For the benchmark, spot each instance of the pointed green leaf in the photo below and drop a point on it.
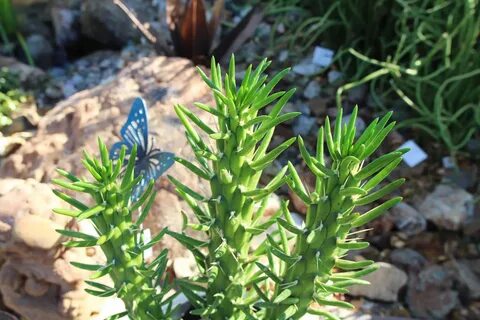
(269, 273)
(261, 163)
(352, 245)
(84, 266)
(290, 227)
(334, 303)
(325, 314)
(352, 191)
(67, 212)
(260, 133)
(185, 189)
(375, 212)
(143, 215)
(75, 203)
(379, 193)
(67, 175)
(90, 212)
(352, 265)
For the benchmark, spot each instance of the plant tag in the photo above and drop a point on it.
(448, 163)
(416, 154)
(322, 56)
(147, 237)
(334, 76)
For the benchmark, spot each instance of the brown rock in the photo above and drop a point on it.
(448, 207)
(28, 75)
(385, 283)
(430, 293)
(467, 273)
(22, 208)
(36, 232)
(8, 184)
(407, 219)
(75, 124)
(36, 288)
(105, 22)
(7, 316)
(185, 267)
(37, 279)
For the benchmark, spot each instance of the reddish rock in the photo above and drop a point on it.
(430, 294)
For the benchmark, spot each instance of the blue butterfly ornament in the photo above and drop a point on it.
(150, 162)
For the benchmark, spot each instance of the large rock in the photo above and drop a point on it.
(65, 21)
(36, 279)
(106, 23)
(385, 283)
(407, 219)
(408, 259)
(467, 273)
(41, 50)
(448, 207)
(74, 125)
(29, 76)
(430, 294)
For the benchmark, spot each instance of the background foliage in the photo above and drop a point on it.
(422, 56)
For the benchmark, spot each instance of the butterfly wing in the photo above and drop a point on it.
(115, 150)
(152, 167)
(134, 131)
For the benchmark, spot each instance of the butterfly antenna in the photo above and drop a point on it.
(152, 143)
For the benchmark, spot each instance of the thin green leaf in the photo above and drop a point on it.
(375, 212)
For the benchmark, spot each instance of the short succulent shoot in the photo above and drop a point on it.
(141, 286)
(321, 245)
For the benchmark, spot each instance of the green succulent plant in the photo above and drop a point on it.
(275, 281)
(296, 266)
(323, 242)
(142, 286)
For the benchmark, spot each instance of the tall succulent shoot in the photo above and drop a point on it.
(275, 281)
(232, 164)
(141, 286)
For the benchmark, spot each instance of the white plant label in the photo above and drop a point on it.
(322, 56)
(448, 163)
(416, 154)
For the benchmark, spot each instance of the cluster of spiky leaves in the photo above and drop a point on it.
(141, 286)
(274, 281)
(326, 237)
(232, 215)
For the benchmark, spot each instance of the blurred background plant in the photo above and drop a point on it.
(9, 29)
(11, 96)
(403, 50)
